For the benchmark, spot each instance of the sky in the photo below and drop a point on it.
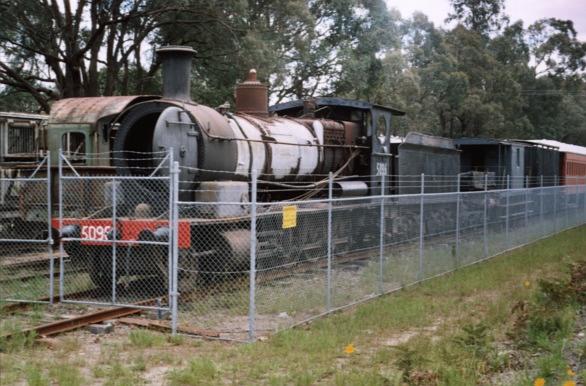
(526, 10)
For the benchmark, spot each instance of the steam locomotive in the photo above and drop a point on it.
(292, 148)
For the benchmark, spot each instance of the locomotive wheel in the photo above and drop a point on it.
(342, 237)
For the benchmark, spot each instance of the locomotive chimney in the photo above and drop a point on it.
(176, 71)
(252, 96)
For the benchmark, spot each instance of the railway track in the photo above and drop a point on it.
(54, 328)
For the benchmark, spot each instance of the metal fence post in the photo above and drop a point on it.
(507, 209)
(329, 268)
(114, 234)
(421, 226)
(252, 299)
(541, 193)
(50, 231)
(555, 204)
(172, 230)
(566, 203)
(60, 209)
(174, 181)
(527, 207)
(458, 196)
(584, 199)
(381, 234)
(485, 224)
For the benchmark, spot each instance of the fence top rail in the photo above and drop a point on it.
(24, 179)
(110, 178)
(378, 196)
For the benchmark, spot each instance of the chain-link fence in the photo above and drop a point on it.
(27, 262)
(225, 258)
(256, 267)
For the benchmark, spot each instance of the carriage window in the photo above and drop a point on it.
(73, 145)
(381, 127)
(21, 138)
(518, 157)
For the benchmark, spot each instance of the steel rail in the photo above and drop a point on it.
(60, 326)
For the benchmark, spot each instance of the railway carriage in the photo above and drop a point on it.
(21, 136)
(572, 163)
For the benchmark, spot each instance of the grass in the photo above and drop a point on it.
(144, 339)
(452, 330)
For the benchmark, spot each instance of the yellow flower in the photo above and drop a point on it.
(349, 349)
(539, 382)
(569, 383)
(570, 372)
(527, 284)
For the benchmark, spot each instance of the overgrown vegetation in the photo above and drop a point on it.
(509, 321)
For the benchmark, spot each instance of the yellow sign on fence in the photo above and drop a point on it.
(289, 216)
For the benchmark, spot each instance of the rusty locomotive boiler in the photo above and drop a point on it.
(215, 147)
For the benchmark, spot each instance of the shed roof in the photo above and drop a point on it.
(15, 115)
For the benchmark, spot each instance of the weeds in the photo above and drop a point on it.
(408, 361)
(543, 324)
(475, 339)
(14, 339)
(144, 339)
(66, 375)
(199, 371)
(35, 377)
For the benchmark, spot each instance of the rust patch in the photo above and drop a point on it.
(90, 110)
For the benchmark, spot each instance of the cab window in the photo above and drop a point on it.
(73, 145)
(381, 127)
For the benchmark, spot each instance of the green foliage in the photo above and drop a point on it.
(474, 338)
(145, 339)
(199, 371)
(408, 360)
(66, 375)
(544, 322)
(481, 16)
(13, 339)
(34, 376)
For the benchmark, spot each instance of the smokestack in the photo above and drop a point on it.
(176, 71)
(252, 96)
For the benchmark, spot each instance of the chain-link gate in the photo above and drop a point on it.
(27, 261)
(116, 234)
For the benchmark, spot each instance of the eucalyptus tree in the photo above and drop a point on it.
(55, 49)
